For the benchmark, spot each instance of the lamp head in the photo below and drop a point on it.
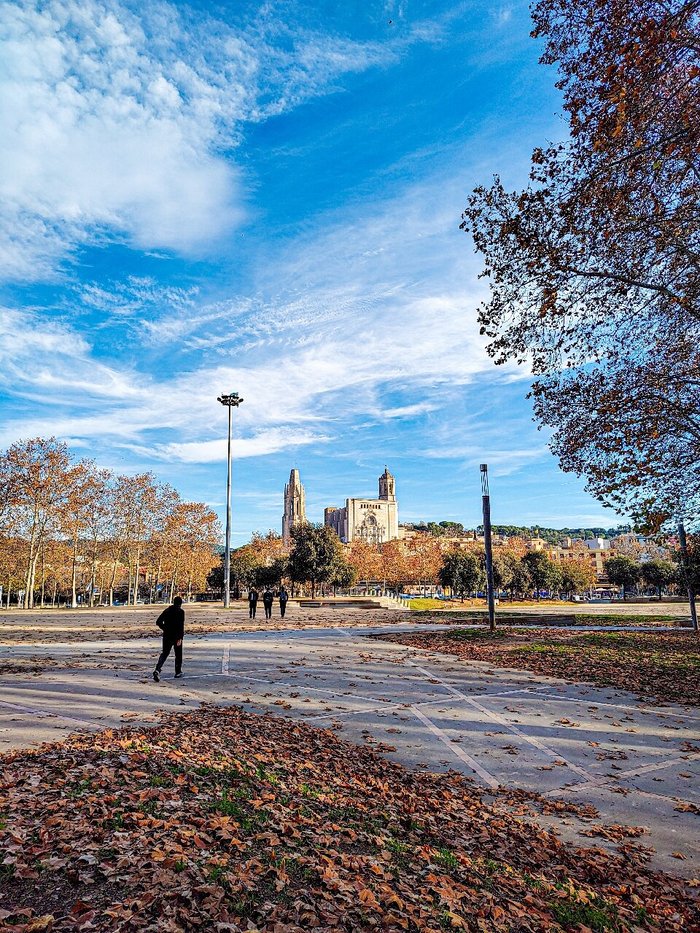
(232, 399)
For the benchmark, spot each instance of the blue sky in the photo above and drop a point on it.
(266, 197)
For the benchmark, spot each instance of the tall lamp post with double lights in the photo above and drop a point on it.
(232, 400)
(486, 507)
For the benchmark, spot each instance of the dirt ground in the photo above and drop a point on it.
(75, 625)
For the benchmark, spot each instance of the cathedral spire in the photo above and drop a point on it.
(294, 506)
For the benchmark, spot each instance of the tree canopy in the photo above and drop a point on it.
(622, 571)
(463, 572)
(594, 266)
(316, 553)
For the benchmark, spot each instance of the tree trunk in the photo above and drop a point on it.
(33, 580)
(157, 580)
(30, 557)
(136, 575)
(93, 572)
(74, 574)
(111, 582)
(43, 576)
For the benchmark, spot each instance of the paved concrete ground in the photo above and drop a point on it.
(577, 743)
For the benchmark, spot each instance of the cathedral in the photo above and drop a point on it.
(372, 520)
(294, 506)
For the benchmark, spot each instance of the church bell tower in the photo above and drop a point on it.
(294, 506)
(387, 487)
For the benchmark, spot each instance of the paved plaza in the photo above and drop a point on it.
(634, 762)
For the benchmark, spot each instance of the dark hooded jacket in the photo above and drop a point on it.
(171, 622)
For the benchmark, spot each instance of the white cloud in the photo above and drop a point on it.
(215, 451)
(383, 328)
(115, 125)
(48, 361)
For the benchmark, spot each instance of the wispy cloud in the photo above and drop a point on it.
(386, 311)
(256, 445)
(133, 119)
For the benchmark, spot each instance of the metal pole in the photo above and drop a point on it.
(486, 509)
(685, 562)
(227, 558)
(232, 400)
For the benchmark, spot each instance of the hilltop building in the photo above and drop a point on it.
(294, 506)
(372, 520)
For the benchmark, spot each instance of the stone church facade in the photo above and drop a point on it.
(294, 506)
(372, 520)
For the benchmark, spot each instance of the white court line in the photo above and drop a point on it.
(385, 704)
(659, 766)
(225, 658)
(408, 707)
(632, 773)
(643, 711)
(501, 720)
(455, 749)
(337, 715)
(50, 714)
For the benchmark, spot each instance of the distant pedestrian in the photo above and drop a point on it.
(171, 622)
(252, 602)
(283, 601)
(268, 596)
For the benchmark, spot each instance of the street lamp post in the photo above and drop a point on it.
(486, 507)
(232, 400)
(685, 564)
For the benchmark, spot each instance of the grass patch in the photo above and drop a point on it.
(599, 917)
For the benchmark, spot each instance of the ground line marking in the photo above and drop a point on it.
(501, 720)
(385, 704)
(51, 715)
(659, 766)
(643, 711)
(455, 749)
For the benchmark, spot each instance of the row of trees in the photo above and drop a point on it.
(71, 530)
(464, 573)
(317, 558)
(658, 575)
(516, 574)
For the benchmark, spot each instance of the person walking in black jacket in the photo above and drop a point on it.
(171, 622)
(252, 602)
(267, 602)
(283, 601)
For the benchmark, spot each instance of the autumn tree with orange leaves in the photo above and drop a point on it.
(70, 530)
(594, 268)
(366, 561)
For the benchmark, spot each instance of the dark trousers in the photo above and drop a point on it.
(283, 607)
(168, 644)
(268, 610)
(251, 610)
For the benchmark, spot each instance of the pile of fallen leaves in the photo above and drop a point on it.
(222, 820)
(661, 666)
(552, 615)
